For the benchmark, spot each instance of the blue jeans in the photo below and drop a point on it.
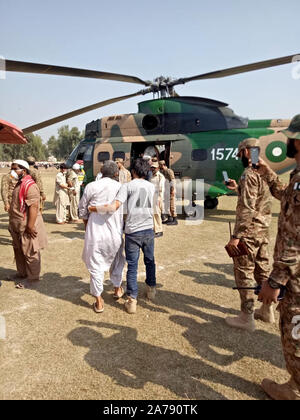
(133, 244)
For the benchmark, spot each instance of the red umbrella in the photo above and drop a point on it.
(10, 134)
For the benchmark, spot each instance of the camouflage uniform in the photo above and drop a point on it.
(170, 191)
(254, 214)
(124, 176)
(286, 269)
(8, 184)
(36, 176)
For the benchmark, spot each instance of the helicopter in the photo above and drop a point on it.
(197, 137)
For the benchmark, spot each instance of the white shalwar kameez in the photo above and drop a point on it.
(103, 245)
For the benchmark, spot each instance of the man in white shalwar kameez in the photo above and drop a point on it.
(103, 245)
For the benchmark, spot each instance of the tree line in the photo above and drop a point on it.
(60, 146)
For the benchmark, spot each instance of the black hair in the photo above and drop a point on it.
(141, 167)
(63, 166)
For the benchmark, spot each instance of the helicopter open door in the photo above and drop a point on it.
(159, 150)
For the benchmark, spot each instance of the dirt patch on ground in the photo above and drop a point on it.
(179, 347)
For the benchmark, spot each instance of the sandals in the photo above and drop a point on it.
(120, 294)
(98, 311)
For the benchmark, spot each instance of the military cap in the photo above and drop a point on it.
(247, 144)
(119, 160)
(293, 131)
(30, 160)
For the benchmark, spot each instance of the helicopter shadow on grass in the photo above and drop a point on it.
(132, 363)
(166, 300)
(211, 279)
(231, 345)
(5, 272)
(69, 288)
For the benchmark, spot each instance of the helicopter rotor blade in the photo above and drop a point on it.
(80, 111)
(237, 70)
(24, 67)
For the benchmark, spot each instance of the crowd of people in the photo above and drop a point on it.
(124, 212)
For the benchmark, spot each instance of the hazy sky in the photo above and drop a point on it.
(147, 38)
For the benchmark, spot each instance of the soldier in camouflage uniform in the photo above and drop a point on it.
(124, 174)
(286, 269)
(170, 194)
(36, 176)
(8, 183)
(254, 214)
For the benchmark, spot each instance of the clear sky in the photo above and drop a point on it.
(147, 38)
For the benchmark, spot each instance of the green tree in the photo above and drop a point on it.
(67, 141)
(52, 146)
(35, 147)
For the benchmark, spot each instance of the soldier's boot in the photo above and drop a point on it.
(286, 392)
(265, 313)
(172, 221)
(243, 321)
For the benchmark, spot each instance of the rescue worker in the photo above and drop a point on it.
(286, 268)
(61, 197)
(26, 225)
(170, 194)
(36, 176)
(81, 174)
(74, 192)
(124, 174)
(254, 214)
(158, 180)
(8, 183)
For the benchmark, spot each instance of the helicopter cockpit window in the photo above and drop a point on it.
(199, 155)
(88, 154)
(233, 120)
(118, 155)
(103, 156)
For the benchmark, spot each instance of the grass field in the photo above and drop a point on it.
(177, 347)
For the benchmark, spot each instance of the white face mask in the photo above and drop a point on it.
(14, 174)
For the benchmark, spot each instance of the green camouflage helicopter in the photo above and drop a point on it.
(197, 137)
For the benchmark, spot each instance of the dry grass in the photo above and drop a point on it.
(176, 348)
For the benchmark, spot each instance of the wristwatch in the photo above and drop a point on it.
(273, 284)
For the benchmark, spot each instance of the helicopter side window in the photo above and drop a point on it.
(199, 155)
(119, 155)
(103, 156)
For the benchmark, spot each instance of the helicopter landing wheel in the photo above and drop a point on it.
(211, 203)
